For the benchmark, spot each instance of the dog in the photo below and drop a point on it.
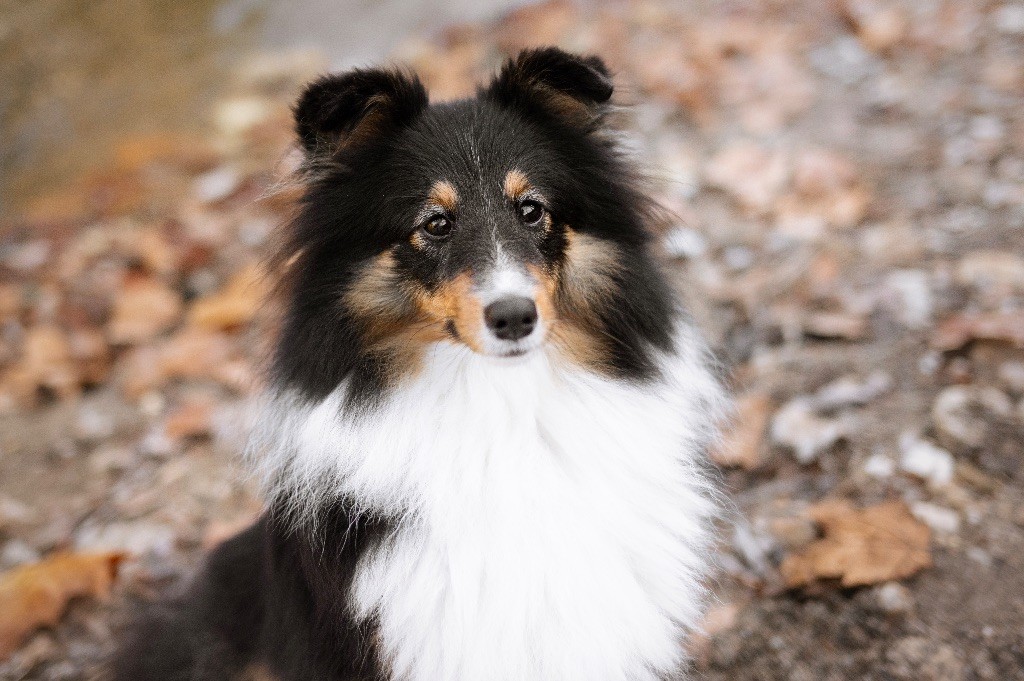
(484, 440)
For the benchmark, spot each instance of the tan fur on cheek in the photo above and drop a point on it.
(375, 296)
(586, 282)
(457, 304)
(589, 270)
(581, 346)
(393, 328)
(545, 296)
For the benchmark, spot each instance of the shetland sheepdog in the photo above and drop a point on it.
(484, 438)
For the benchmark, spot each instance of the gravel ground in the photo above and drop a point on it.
(848, 180)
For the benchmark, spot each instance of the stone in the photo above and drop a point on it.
(1009, 19)
(941, 520)
(925, 460)
(850, 391)
(908, 294)
(216, 185)
(138, 537)
(893, 598)
(798, 426)
(879, 466)
(16, 552)
(962, 414)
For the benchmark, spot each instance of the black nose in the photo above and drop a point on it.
(511, 318)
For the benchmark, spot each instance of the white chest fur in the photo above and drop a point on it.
(555, 524)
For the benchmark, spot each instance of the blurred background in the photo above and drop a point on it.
(848, 181)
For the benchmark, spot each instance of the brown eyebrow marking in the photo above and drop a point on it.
(443, 194)
(516, 184)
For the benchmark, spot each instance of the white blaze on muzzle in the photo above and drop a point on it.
(508, 296)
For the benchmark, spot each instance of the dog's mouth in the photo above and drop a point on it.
(513, 353)
(503, 349)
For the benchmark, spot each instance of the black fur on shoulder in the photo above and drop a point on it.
(268, 604)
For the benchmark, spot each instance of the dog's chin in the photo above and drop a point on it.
(511, 352)
(512, 355)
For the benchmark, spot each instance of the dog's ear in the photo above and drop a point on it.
(568, 86)
(342, 109)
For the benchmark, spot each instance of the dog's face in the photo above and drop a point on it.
(506, 224)
(477, 247)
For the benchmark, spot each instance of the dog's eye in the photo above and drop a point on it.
(531, 212)
(437, 227)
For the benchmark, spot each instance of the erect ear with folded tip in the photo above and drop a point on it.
(570, 87)
(340, 110)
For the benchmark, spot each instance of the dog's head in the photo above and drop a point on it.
(507, 223)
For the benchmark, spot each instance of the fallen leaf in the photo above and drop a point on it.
(879, 27)
(91, 353)
(999, 270)
(717, 620)
(232, 306)
(192, 419)
(144, 309)
(752, 175)
(799, 426)
(861, 546)
(741, 446)
(151, 247)
(845, 325)
(36, 595)
(826, 191)
(47, 361)
(959, 330)
(190, 353)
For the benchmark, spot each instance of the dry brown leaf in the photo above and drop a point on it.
(958, 331)
(143, 309)
(189, 354)
(879, 26)
(191, 419)
(718, 619)
(826, 192)
(861, 546)
(36, 595)
(90, 351)
(47, 361)
(836, 325)
(752, 175)
(741, 446)
(152, 247)
(232, 306)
